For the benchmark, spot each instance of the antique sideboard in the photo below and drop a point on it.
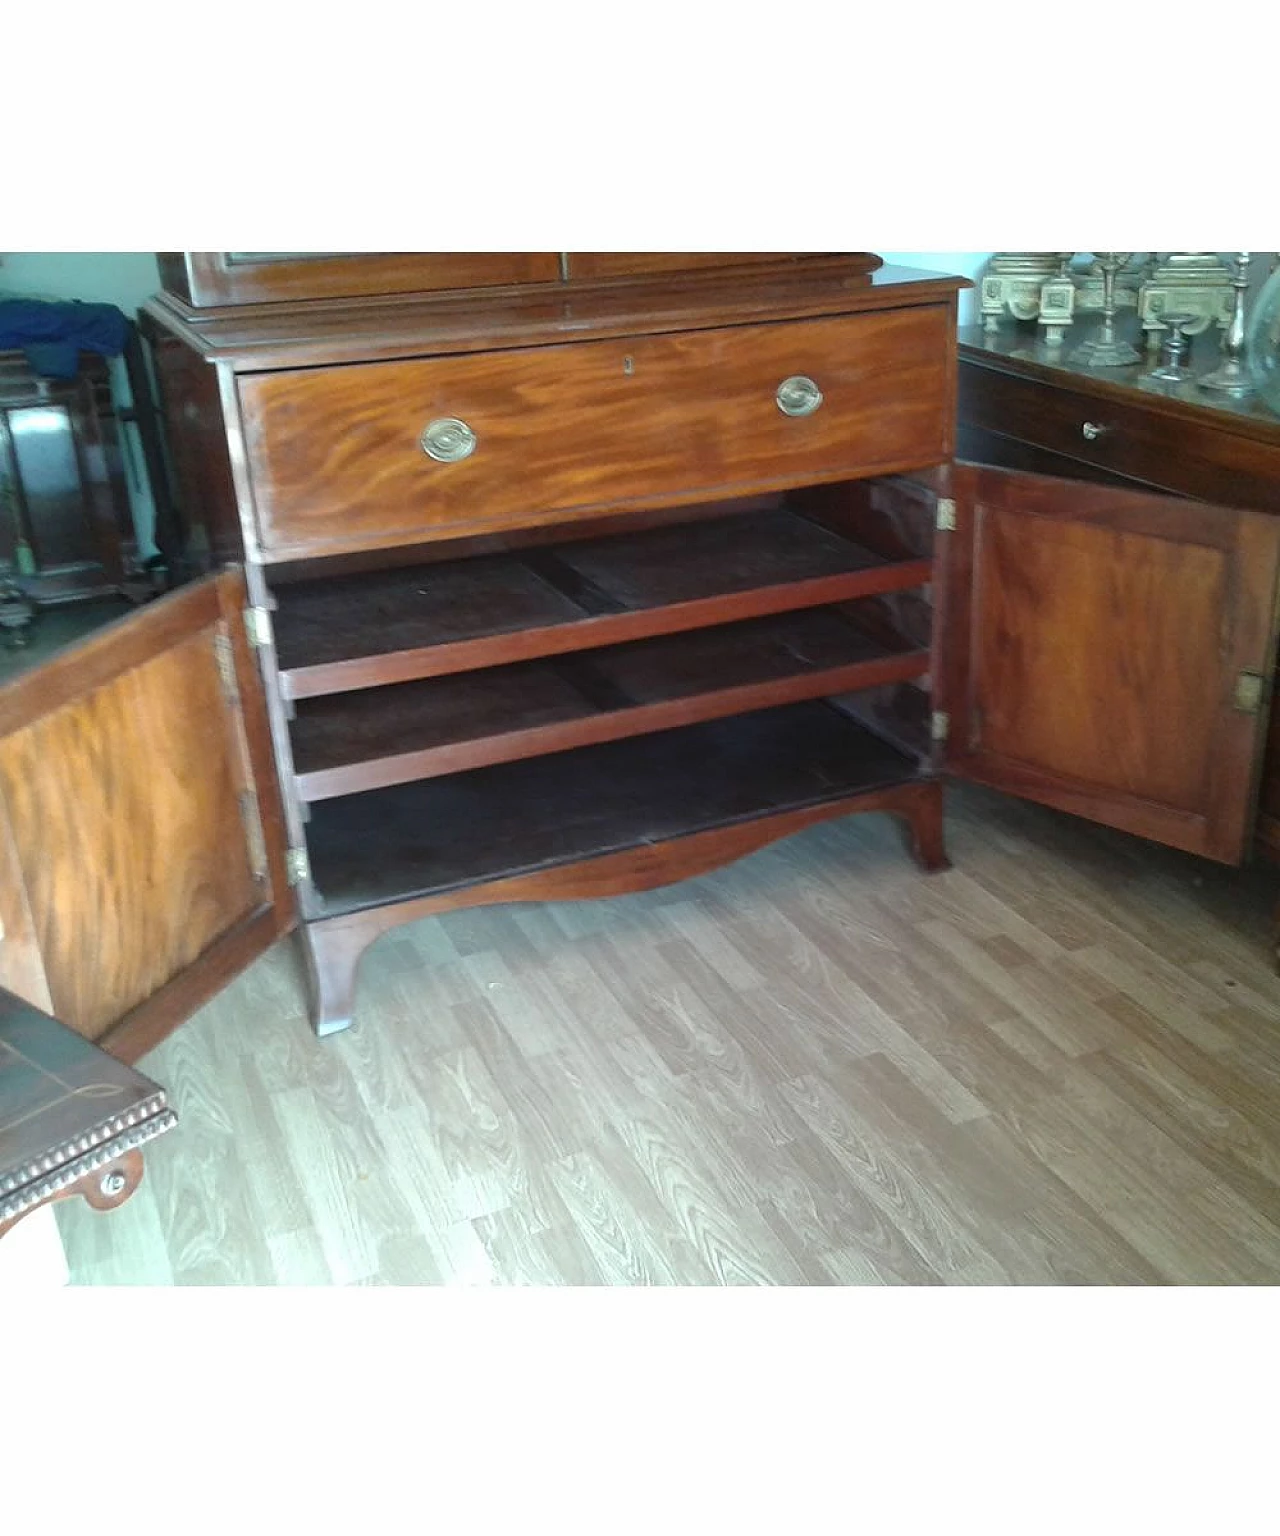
(538, 576)
(547, 576)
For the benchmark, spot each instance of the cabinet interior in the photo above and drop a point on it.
(483, 713)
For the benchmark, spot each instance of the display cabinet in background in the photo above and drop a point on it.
(66, 530)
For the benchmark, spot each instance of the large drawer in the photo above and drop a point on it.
(337, 461)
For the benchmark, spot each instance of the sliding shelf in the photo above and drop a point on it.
(899, 713)
(439, 835)
(377, 737)
(392, 626)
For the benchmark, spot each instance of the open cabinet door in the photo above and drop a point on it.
(142, 848)
(1109, 652)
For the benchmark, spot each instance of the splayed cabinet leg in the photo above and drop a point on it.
(332, 958)
(921, 813)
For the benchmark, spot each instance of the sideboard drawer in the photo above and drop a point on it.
(1140, 441)
(341, 458)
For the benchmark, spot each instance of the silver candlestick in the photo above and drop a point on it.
(1231, 376)
(1173, 368)
(1104, 350)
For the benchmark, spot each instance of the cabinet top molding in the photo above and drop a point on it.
(284, 334)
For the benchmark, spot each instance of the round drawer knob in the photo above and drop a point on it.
(798, 396)
(447, 440)
(1091, 431)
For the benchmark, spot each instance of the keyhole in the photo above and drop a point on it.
(628, 365)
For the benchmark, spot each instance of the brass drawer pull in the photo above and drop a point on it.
(1091, 431)
(798, 396)
(447, 440)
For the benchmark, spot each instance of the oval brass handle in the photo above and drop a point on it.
(447, 440)
(798, 396)
(1091, 431)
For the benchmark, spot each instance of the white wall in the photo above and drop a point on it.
(960, 263)
(126, 278)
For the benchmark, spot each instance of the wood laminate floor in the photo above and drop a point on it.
(1057, 1063)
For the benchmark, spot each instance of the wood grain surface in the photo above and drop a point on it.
(230, 277)
(1056, 1064)
(196, 437)
(642, 796)
(1107, 631)
(125, 765)
(588, 265)
(260, 336)
(483, 611)
(380, 736)
(562, 432)
(22, 969)
(91, 822)
(1178, 438)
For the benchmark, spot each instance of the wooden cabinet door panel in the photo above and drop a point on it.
(143, 818)
(1104, 635)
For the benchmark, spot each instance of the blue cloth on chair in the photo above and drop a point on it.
(54, 334)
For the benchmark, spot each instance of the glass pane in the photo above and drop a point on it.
(44, 450)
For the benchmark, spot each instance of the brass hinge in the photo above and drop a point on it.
(939, 725)
(297, 865)
(224, 654)
(1250, 688)
(946, 518)
(257, 844)
(257, 623)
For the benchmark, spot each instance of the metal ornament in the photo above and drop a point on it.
(1106, 350)
(1090, 284)
(1014, 284)
(1058, 303)
(1185, 282)
(1173, 369)
(1231, 376)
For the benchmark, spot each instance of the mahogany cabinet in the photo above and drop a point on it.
(578, 581)
(1115, 644)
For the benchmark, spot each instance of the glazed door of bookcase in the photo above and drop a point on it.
(1110, 653)
(142, 849)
